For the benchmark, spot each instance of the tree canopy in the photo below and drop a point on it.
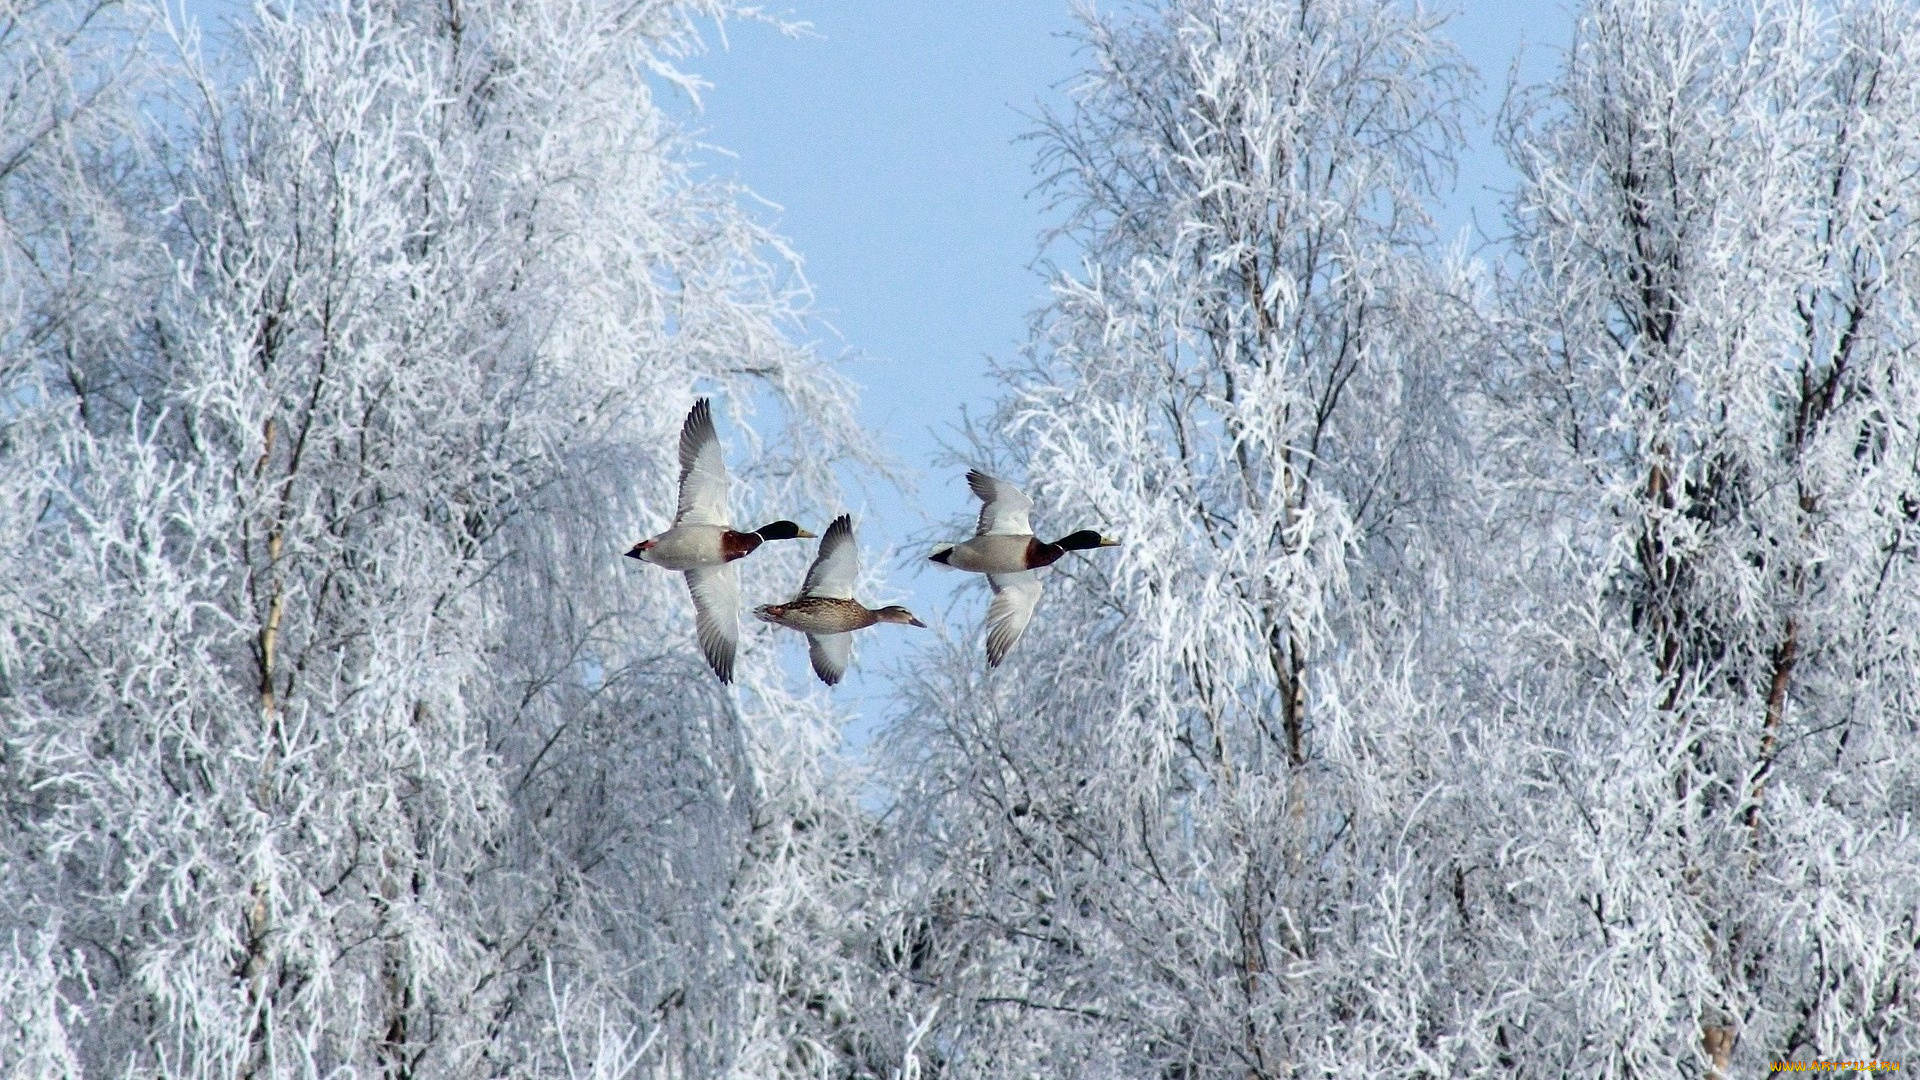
(1511, 665)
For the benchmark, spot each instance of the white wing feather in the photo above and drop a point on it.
(1003, 508)
(716, 614)
(703, 470)
(1015, 596)
(837, 565)
(829, 653)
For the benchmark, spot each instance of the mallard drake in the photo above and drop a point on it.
(1005, 549)
(826, 611)
(702, 545)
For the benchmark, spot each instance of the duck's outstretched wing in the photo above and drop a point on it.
(1004, 508)
(716, 615)
(829, 653)
(703, 470)
(1014, 598)
(835, 567)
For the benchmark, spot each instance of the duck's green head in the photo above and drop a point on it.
(782, 530)
(1084, 540)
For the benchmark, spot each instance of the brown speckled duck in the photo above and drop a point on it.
(826, 611)
(702, 545)
(1005, 549)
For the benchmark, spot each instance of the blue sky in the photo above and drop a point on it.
(888, 136)
(889, 140)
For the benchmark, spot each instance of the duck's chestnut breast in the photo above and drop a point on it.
(738, 545)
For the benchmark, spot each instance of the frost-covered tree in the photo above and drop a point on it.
(333, 735)
(1174, 834)
(65, 86)
(1702, 857)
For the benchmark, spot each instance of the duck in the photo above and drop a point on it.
(1006, 551)
(825, 609)
(703, 545)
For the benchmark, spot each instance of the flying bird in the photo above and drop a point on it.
(1005, 549)
(702, 545)
(826, 611)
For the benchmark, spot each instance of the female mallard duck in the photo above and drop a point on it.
(1005, 549)
(701, 543)
(826, 611)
